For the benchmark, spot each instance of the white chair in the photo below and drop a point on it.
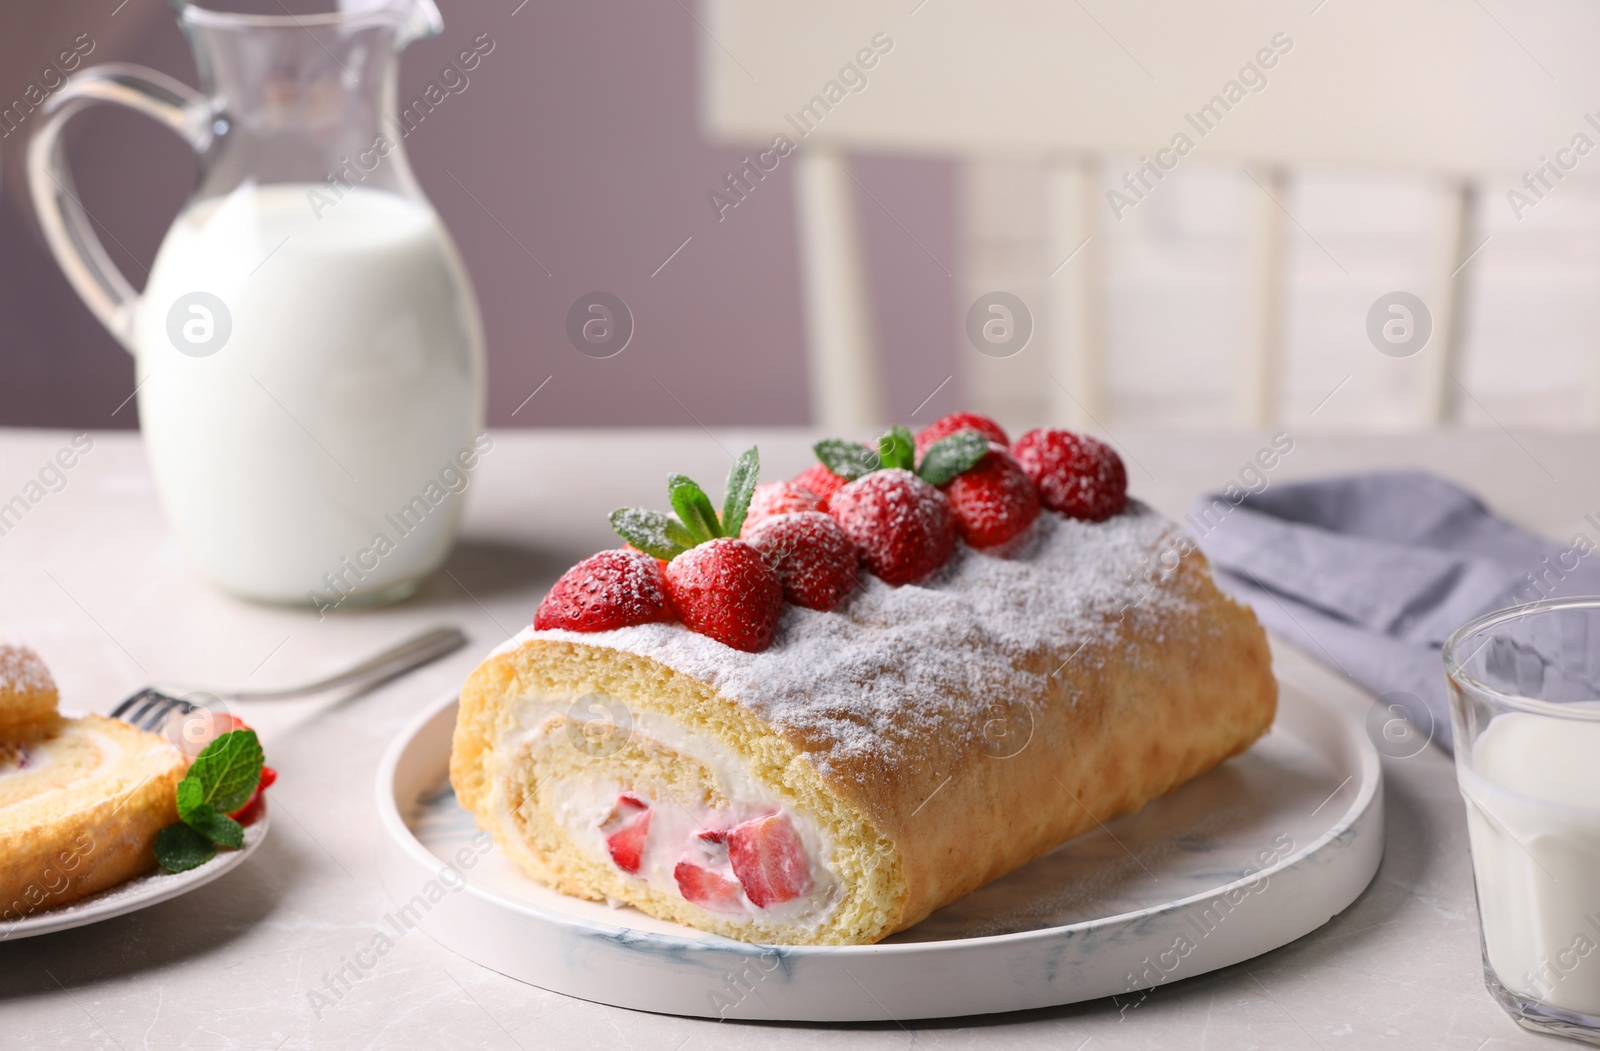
(1466, 94)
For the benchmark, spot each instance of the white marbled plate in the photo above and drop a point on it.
(137, 893)
(1251, 856)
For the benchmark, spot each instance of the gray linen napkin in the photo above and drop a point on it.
(1371, 573)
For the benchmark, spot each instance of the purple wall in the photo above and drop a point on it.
(579, 134)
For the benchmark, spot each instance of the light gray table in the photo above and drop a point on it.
(92, 577)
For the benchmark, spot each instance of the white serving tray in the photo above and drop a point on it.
(1251, 856)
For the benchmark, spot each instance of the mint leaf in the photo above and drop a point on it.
(677, 534)
(949, 456)
(657, 535)
(191, 797)
(896, 449)
(848, 460)
(180, 848)
(220, 829)
(741, 486)
(228, 770)
(693, 507)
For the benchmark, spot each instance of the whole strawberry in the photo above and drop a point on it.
(778, 498)
(1077, 475)
(610, 590)
(821, 481)
(724, 589)
(719, 586)
(959, 421)
(901, 525)
(814, 559)
(993, 501)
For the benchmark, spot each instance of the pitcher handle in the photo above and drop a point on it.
(67, 225)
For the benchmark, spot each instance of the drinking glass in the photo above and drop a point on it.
(1525, 706)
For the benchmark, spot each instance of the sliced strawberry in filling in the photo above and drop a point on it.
(709, 890)
(625, 830)
(769, 859)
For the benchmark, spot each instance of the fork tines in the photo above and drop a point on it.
(148, 709)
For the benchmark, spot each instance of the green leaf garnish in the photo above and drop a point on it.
(741, 486)
(694, 508)
(656, 534)
(180, 848)
(951, 455)
(848, 460)
(221, 780)
(191, 796)
(220, 829)
(896, 449)
(228, 771)
(662, 536)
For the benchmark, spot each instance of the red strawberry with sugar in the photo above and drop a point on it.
(778, 498)
(814, 558)
(724, 589)
(959, 421)
(993, 500)
(610, 590)
(901, 525)
(626, 829)
(1077, 475)
(821, 481)
(709, 890)
(769, 859)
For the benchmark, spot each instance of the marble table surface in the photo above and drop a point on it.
(93, 578)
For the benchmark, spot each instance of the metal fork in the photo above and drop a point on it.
(150, 707)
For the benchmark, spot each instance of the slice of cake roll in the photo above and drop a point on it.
(27, 693)
(874, 762)
(81, 800)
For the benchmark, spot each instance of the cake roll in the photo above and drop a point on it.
(81, 800)
(876, 762)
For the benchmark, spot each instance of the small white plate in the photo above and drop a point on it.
(139, 892)
(1262, 850)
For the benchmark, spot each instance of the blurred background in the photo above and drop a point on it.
(982, 149)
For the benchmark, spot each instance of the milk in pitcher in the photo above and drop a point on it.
(307, 370)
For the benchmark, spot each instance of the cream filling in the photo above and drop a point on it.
(19, 758)
(33, 780)
(582, 807)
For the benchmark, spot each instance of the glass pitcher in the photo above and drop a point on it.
(309, 355)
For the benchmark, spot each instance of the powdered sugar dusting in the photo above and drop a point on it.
(21, 671)
(895, 667)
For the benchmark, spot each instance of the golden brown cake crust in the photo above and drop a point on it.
(943, 735)
(1107, 737)
(61, 843)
